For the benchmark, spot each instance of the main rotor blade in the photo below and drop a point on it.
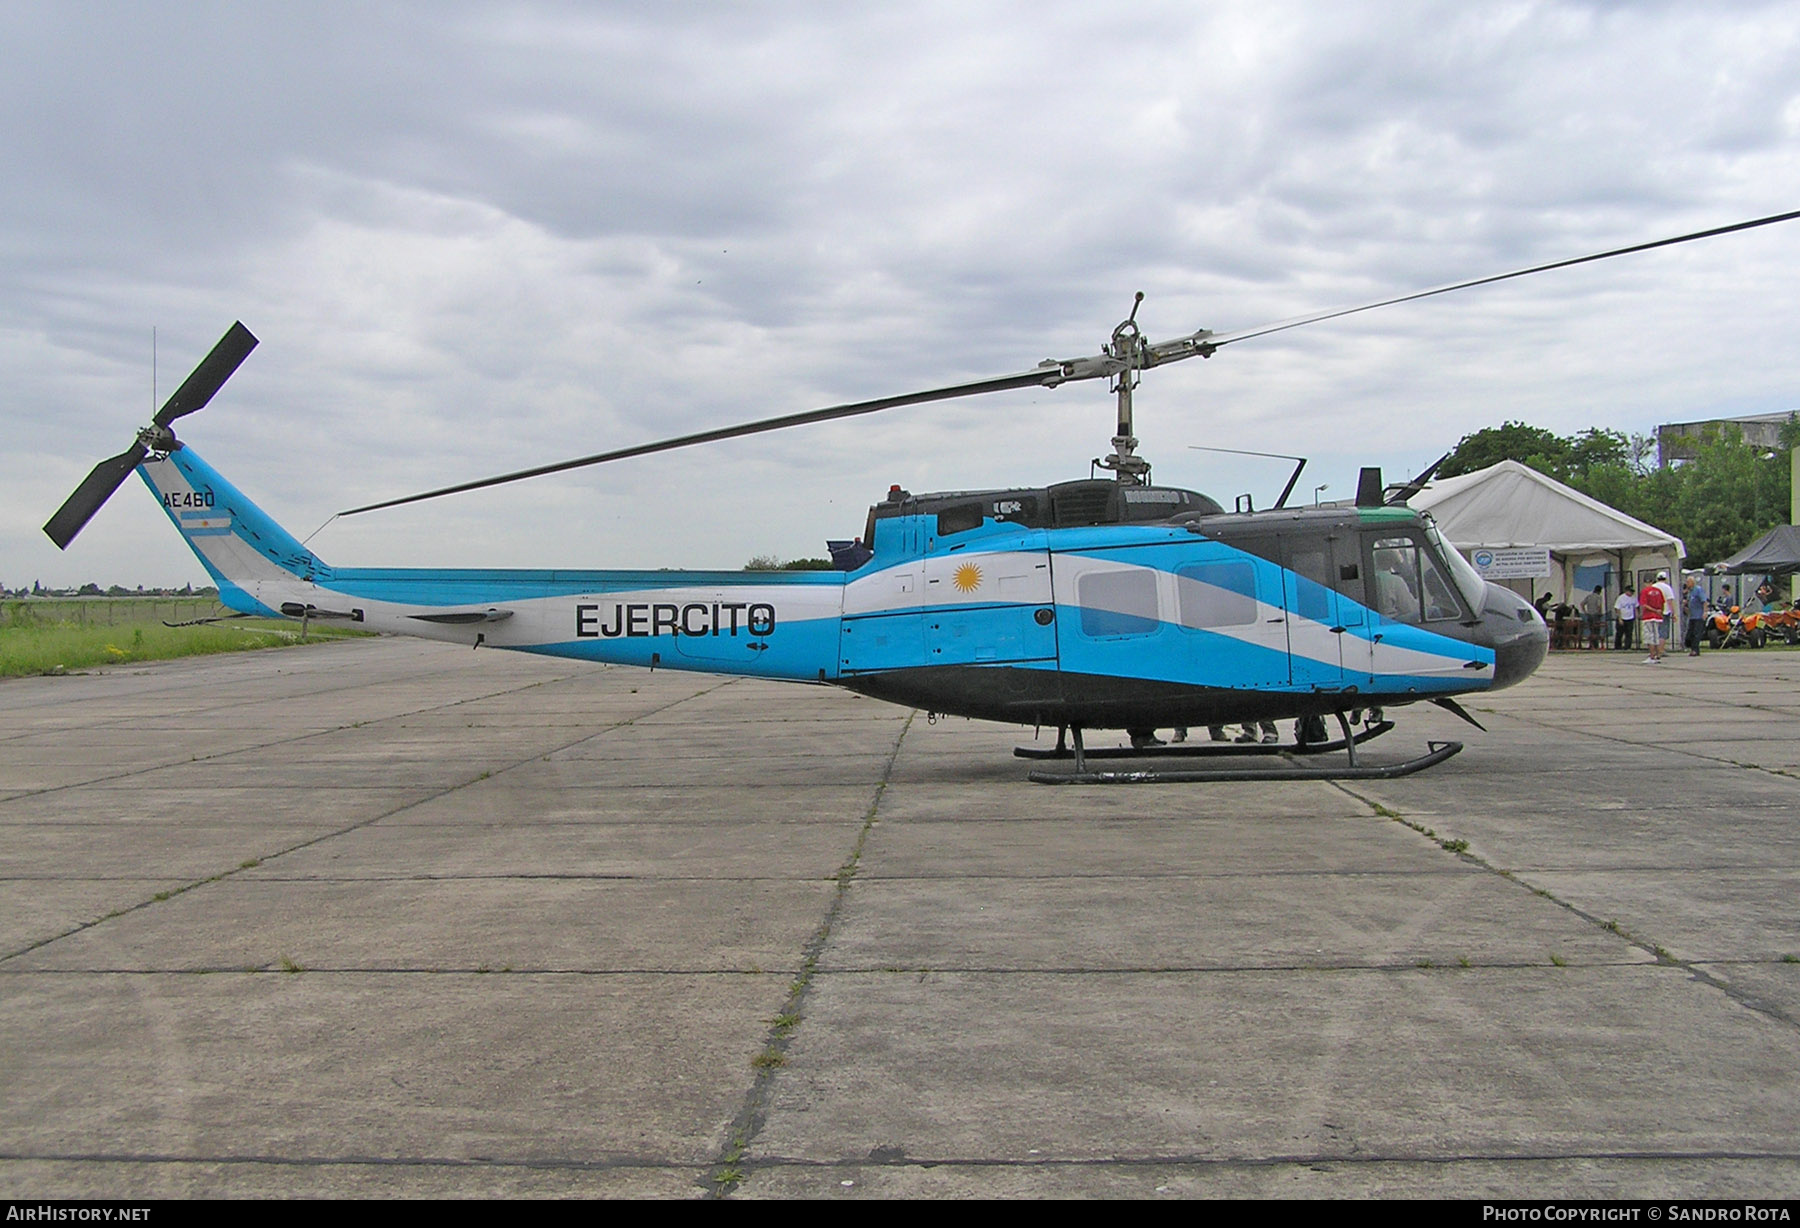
(1047, 376)
(207, 378)
(94, 490)
(1215, 340)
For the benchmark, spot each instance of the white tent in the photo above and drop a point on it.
(1511, 506)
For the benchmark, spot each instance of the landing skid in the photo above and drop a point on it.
(1435, 754)
(1198, 750)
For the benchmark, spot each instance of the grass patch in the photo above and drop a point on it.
(57, 637)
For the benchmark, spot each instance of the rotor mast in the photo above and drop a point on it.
(1129, 349)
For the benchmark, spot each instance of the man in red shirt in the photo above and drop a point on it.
(1653, 605)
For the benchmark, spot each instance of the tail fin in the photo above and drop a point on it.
(240, 546)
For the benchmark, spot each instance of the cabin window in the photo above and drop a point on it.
(959, 519)
(1312, 582)
(1117, 602)
(1221, 594)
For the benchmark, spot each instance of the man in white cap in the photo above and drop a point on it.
(1654, 602)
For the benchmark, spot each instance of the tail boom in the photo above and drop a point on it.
(775, 625)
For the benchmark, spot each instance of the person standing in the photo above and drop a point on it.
(1625, 612)
(1653, 603)
(1593, 617)
(1694, 611)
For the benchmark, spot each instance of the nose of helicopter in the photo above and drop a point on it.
(1517, 635)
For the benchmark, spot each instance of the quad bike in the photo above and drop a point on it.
(1783, 622)
(1732, 628)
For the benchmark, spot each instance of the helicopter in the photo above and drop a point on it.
(1095, 603)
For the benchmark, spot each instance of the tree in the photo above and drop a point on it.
(1595, 447)
(1544, 451)
(1717, 502)
(1548, 453)
(1728, 496)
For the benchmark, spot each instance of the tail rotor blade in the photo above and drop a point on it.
(207, 378)
(94, 490)
(195, 391)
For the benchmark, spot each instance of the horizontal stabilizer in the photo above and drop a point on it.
(293, 609)
(460, 617)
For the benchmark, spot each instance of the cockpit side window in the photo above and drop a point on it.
(1409, 585)
(1397, 579)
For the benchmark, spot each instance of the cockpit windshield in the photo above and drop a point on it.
(1468, 581)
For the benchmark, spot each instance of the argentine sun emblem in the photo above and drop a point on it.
(967, 578)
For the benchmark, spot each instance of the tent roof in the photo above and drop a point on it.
(1510, 504)
(1775, 553)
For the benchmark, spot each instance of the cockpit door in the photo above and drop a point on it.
(1328, 633)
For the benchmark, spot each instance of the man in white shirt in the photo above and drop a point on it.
(1625, 612)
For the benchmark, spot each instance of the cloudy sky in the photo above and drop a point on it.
(474, 238)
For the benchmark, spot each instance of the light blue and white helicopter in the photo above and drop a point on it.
(1094, 604)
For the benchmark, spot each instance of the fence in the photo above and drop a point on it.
(105, 611)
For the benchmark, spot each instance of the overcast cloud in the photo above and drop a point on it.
(479, 237)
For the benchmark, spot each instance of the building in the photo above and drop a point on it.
(1675, 441)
